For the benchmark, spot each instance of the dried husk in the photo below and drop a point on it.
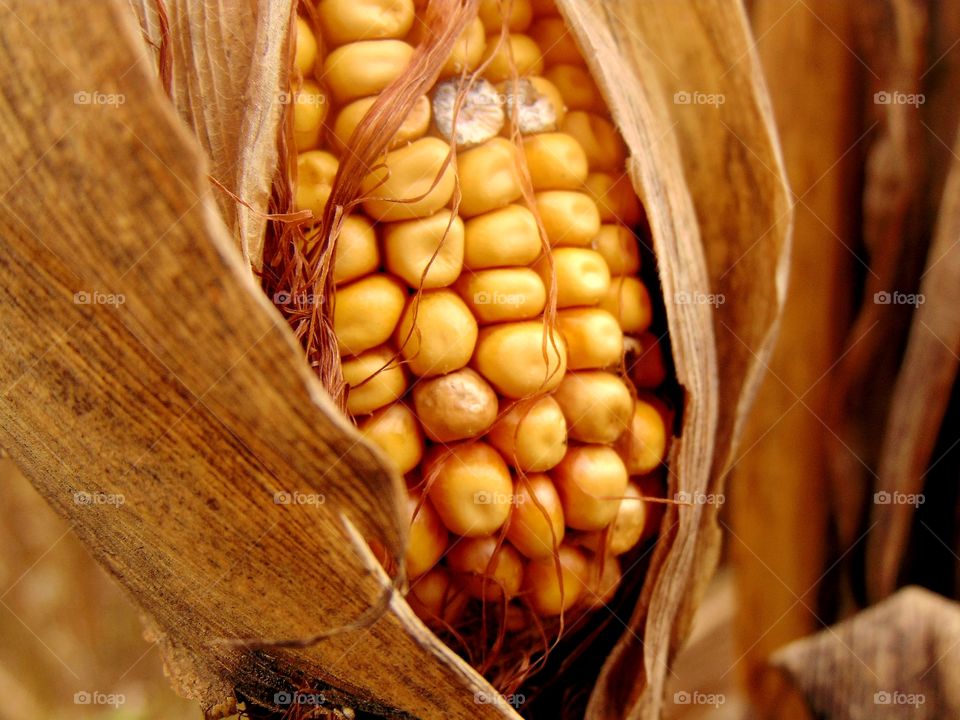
(778, 520)
(192, 399)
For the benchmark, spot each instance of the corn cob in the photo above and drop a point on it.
(492, 326)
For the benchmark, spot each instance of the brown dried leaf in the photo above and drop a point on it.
(228, 62)
(920, 395)
(749, 218)
(897, 659)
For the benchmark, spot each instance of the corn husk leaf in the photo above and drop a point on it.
(226, 64)
(679, 151)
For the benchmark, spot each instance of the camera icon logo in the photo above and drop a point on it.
(483, 497)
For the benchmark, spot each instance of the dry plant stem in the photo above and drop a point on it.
(920, 395)
(893, 36)
(777, 517)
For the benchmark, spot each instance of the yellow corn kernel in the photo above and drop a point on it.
(577, 88)
(615, 198)
(396, 431)
(590, 479)
(492, 14)
(489, 177)
(603, 579)
(552, 593)
(517, 55)
(618, 246)
(594, 338)
(487, 571)
(356, 252)
(460, 405)
(414, 126)
(306, 53)
(602, 144)
(643, 448)
(582, 276)
(627, 300)
(316, 170)
(374, 379)
(536, 526)
(414, 182)
(533, 104)
(556, 161)
(568, 216)
(531, 434)
(346, 21)
(365, 67)
(508, 236)
(425, 253)
(309, 112)
(470, 487)
(522, 358)
(436, 600)
(556, 41)
(596, 404)
(630, 526)
(428, 537)
(436, 333)
(503, 294)
(466, 52)
(366, 312)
